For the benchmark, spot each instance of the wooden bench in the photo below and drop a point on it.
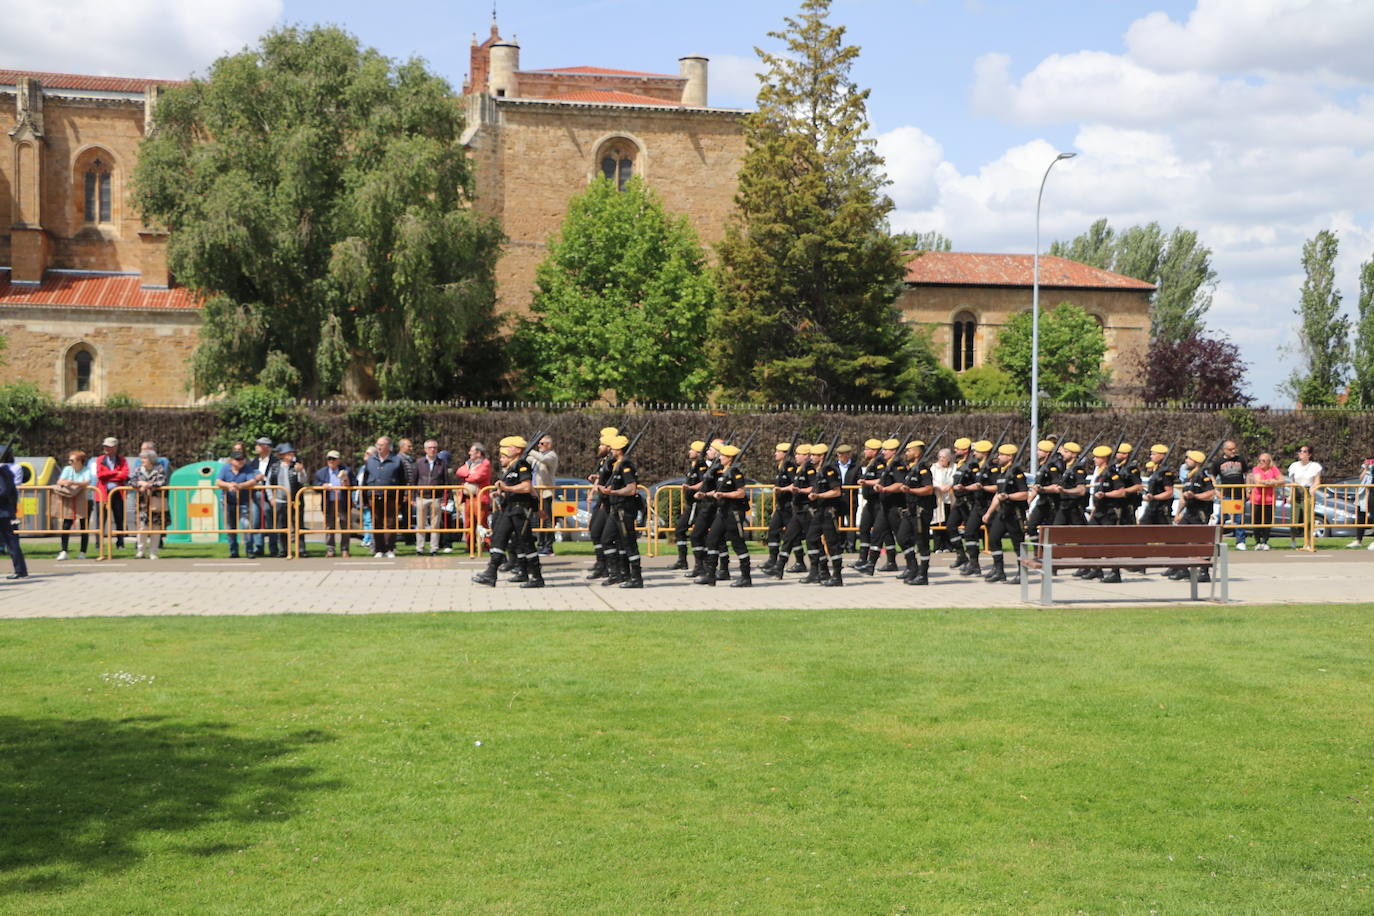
(1192, 547)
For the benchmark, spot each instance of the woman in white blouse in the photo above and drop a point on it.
(1305, 474)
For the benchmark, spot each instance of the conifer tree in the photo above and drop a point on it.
(1362, 348)
(808, 270)
(1324, 335)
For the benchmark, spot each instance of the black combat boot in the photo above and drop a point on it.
(960, 558)
(814, 575)
(708, 572)
(910, 572)
(999, 571)
(599, 568)
(799, 564)
(723, 569)
(744, 580)
(891, 565)
(780, 568)
(534, 574)
(488, 575)
(635, 576)
(767, 567)
(699, 567)
(1113, 575)
(836, 578)
(521, 570)
(1093, 574)
(862, 561)
(620, 569)
(972, 569)
(681, 557)
(922, 576)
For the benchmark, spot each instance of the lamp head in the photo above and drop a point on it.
(1065, 156)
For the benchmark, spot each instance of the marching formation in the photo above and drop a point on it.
(992, 498)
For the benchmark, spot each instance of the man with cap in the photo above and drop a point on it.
(704, 510)
(237, 480)
(874, 463)
(1127, 462)
(1159, 487)
(600, 506)
(849, 477)
(731, 496)
(913, 535)
(512, 529)
(786, 469)
(696, 470)
(823, 542)
(1006, 512)
(333, 481)
(803, 479)
(891, 496)
(1109, 499)
(620, 544)
(264, 464)
(1199, 495)
(959, 507)
(980, 478)
(1072, 488)
(1049, 469)
(288, 479)
(112, 470)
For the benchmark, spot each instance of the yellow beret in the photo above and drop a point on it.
(915, 443)
(717, 443)
(619, 441)
(1102, 451)
(1045, 445)
(783, 447)
(873, 443)
(698, 446)
(802, 449)
(606, 440)
(1007, 449)
(1125, 448)
(1197, 456)
(506, 441)
(1160, 449)
(963, 442)
(608, 431)
(892, 443)
(819, 448)
(982, 445)
(730, 450)
(1072, 447)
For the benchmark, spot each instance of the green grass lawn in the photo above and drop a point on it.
(1200, 760)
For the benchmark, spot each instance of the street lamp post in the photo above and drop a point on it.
(1035, 324)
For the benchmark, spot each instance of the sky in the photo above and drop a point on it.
(1250, 121)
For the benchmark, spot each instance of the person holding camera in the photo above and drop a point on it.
(288, 477)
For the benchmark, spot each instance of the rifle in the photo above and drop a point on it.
(1000, 439)
(934, 446)
(1213, 453)
(635, 441)
(1086, 455)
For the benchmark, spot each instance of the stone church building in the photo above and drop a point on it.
(89, 309)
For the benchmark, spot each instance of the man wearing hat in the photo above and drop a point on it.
(964, 476)
(786, 469)
(333, 481)
(1006, 511)
(823, 543)
(794, 536)
(914, 533)
(1199, 495)
(704, 512)
(512, 531)
(696, 470)
(731, 496)
(1109, 500)
(891, 497)
(112, 470)
(849, 477)
(1072, 488)
(288, 477)
(869, 475)
(600, 506)
(979, 481)
(1159, 487)
(1049, 469)
(620, 543)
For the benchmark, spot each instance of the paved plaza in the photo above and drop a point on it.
(127, 587)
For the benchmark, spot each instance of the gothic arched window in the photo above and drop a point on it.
(617, 162)
(964, 328)
(98, 196)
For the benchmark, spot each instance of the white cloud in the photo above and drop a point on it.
(168, 39)
(732, 80)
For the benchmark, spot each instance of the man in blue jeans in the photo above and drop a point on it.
(1229, 471)
(237, 480)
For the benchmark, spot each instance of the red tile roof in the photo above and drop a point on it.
(964, 268)
(608, 96)
(603, 71)
(82, 290)
(77, 81)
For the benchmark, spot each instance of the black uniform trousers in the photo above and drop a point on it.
(1007, 522)
(823, 535)
(683, 528)
(1070, 512)
(955, 520)
(913, 533)
(727, 530)
(1128, 513)
(619, 536)
(887, 518)
(1156, 513)
(973, 526)
(797, 528)
(512, 534)
(867, 519)
(596, 527)
(703, 515)
(1043, 513)
(777, 523)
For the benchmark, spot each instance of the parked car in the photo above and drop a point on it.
(667, 511)
(1333, 510)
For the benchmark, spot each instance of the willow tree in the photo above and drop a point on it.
(808, 270)
(318, 197)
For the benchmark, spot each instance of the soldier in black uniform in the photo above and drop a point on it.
(1159, 487)
(1072, 488)
(704, 511)
(731, 496)
(696, 468)
(1006, 512)
(918, 488)
(600, 508)
(980, 479)
(621, 545)
(1109, 501)
(786, 469)
(1049, 471)
(512, 528)
(1129, 464)
(958, 507)
(1199, 494)
(823, 541)
(868, 479)
(797, 526)
(887, 516)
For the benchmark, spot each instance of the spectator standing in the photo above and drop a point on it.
(362, 499)
(237, 480)
(1230, 472)
(1266, 477)
(448, 512)
(333, 480)
(475, 476)
(942, 475)
(384, 469)
(73, 490)
(11, 477)
(405, 505)
(1304, 474)
(264, 464)
(849, 477)
(148, 479)
(430, 471)
(288, 479)
(544, 460)
(166, 474)
(111, 470)
(1362, 503)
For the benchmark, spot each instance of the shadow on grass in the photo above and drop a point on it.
(76, 795)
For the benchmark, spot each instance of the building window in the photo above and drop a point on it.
(965, 326)
(617, 163)
(98, 192)
(84, 360)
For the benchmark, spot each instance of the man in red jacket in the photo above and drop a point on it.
(111, 470)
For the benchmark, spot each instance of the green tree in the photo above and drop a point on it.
(622, 303)
(318, 196)
(1362, 348)
(923, 241)
(1096, 247)
(988, 383)
(808, 271)
(1324, 334)
(1071, 349)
